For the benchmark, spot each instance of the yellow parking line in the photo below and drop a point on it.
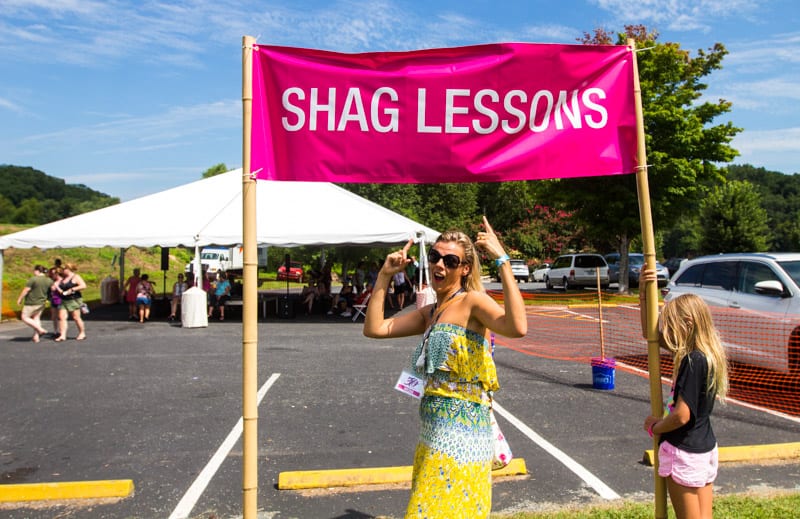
(369, 476)
(748, 453)
(66, 490)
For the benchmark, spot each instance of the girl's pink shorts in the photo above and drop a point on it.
(689, 469)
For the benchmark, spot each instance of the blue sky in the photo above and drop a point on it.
(133, 97)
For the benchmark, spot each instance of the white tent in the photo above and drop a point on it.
(209, 212)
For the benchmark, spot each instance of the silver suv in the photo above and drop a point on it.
(577, 270)
(755, 302)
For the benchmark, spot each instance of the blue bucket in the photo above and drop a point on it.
(603, 373)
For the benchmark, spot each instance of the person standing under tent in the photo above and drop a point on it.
(687, 451)
(144, 298)
(220, 295)
(130, 294)
(453, 459)
(178, 288)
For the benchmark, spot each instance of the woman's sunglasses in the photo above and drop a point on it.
(451, 261)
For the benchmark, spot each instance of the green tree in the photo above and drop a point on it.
(780, 197)
(29, 211)
(216, 169)
(733, 220)
(7, 209)
(683, 144)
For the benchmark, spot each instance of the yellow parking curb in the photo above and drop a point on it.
(747, 453)
(369, 476)
(66, 490)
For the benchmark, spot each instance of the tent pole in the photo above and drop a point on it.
(122, 295)
(249, 298)
(649, 249)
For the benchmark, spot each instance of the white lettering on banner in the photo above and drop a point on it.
(488, 112)
(289, 107)
(421, 126)
(450, 109)
(351, 111)
(316, 108)
(394, 113)
(513, 110)
(482, 113)
(600, 109)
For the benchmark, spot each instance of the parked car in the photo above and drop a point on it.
(635, 263)
(755, 303)
(520, 269)
(295, 272)
(540, 273)
(673, 264)
(577, 270)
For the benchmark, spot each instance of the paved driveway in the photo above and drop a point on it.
(153, 403)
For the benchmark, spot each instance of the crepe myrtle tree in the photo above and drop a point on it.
(684, 145)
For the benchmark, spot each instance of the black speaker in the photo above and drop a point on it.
(164, 258)
(285, 307)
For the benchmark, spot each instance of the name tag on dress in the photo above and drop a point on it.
(410, 384)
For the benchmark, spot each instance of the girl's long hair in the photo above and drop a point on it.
(471, 281)
(687, 326)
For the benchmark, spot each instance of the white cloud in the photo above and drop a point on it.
(679, 15)
(6, 104)
(781, 140)
(175, 127)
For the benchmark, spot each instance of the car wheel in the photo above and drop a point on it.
(794, 352)
(565, 285)
(547, 283)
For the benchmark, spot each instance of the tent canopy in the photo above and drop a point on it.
(209, 212)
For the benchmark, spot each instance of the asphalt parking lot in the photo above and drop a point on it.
(153, 402)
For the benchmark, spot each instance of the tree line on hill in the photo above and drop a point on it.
(30, 196)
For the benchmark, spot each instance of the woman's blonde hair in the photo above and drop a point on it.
(686, 326)
(471, 281)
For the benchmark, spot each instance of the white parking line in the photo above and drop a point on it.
(593, 481)
(191, 496)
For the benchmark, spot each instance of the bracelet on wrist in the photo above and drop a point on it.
(650, 429)
(502, 259)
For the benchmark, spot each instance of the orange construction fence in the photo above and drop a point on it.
(763, 350)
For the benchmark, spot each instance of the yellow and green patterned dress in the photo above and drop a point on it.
(453, 459)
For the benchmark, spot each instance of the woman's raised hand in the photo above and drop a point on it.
(488, 241)
(397, 261)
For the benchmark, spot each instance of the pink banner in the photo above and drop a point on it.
(484, 113)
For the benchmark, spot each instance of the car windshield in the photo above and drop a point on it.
(793, 269)
(209, 256)
(635, 259)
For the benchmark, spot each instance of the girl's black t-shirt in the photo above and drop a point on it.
(692, 384)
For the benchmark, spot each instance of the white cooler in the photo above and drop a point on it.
(194, 308)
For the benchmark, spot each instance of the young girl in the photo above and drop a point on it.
(687, 450)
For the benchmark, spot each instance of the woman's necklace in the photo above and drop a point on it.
(444, 304)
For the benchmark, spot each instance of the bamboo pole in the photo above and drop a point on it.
(249, 299)
(648, 246)
(600, 314)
